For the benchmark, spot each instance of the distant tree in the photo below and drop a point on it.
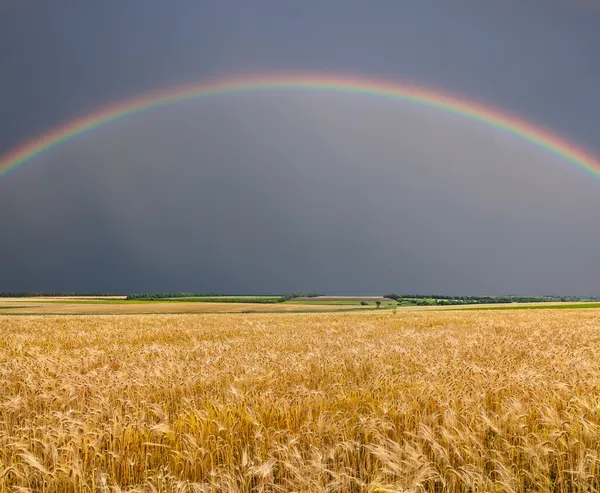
(378, 303)
(291, 296)
(363, 303)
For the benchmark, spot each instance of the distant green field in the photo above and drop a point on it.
(563, 306)
(224, 299)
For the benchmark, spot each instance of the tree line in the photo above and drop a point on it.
(432, 299)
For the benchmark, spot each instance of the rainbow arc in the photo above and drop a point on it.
(569, 152)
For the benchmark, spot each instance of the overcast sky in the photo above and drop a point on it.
(296, 191)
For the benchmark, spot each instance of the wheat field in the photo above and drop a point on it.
(336, 402)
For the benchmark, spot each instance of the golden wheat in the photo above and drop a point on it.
(373, 402)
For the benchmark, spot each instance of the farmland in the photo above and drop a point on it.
(182, 303)
(418, 400)
(79, 306)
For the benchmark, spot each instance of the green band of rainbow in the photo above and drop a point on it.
(340, 84)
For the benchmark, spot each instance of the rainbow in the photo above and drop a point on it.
(518, 127)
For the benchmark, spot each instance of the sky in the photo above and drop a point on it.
(300, 191)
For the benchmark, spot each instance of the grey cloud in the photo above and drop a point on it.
(303, 191)
(300, 191)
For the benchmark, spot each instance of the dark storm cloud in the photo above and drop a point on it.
(289, 192)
